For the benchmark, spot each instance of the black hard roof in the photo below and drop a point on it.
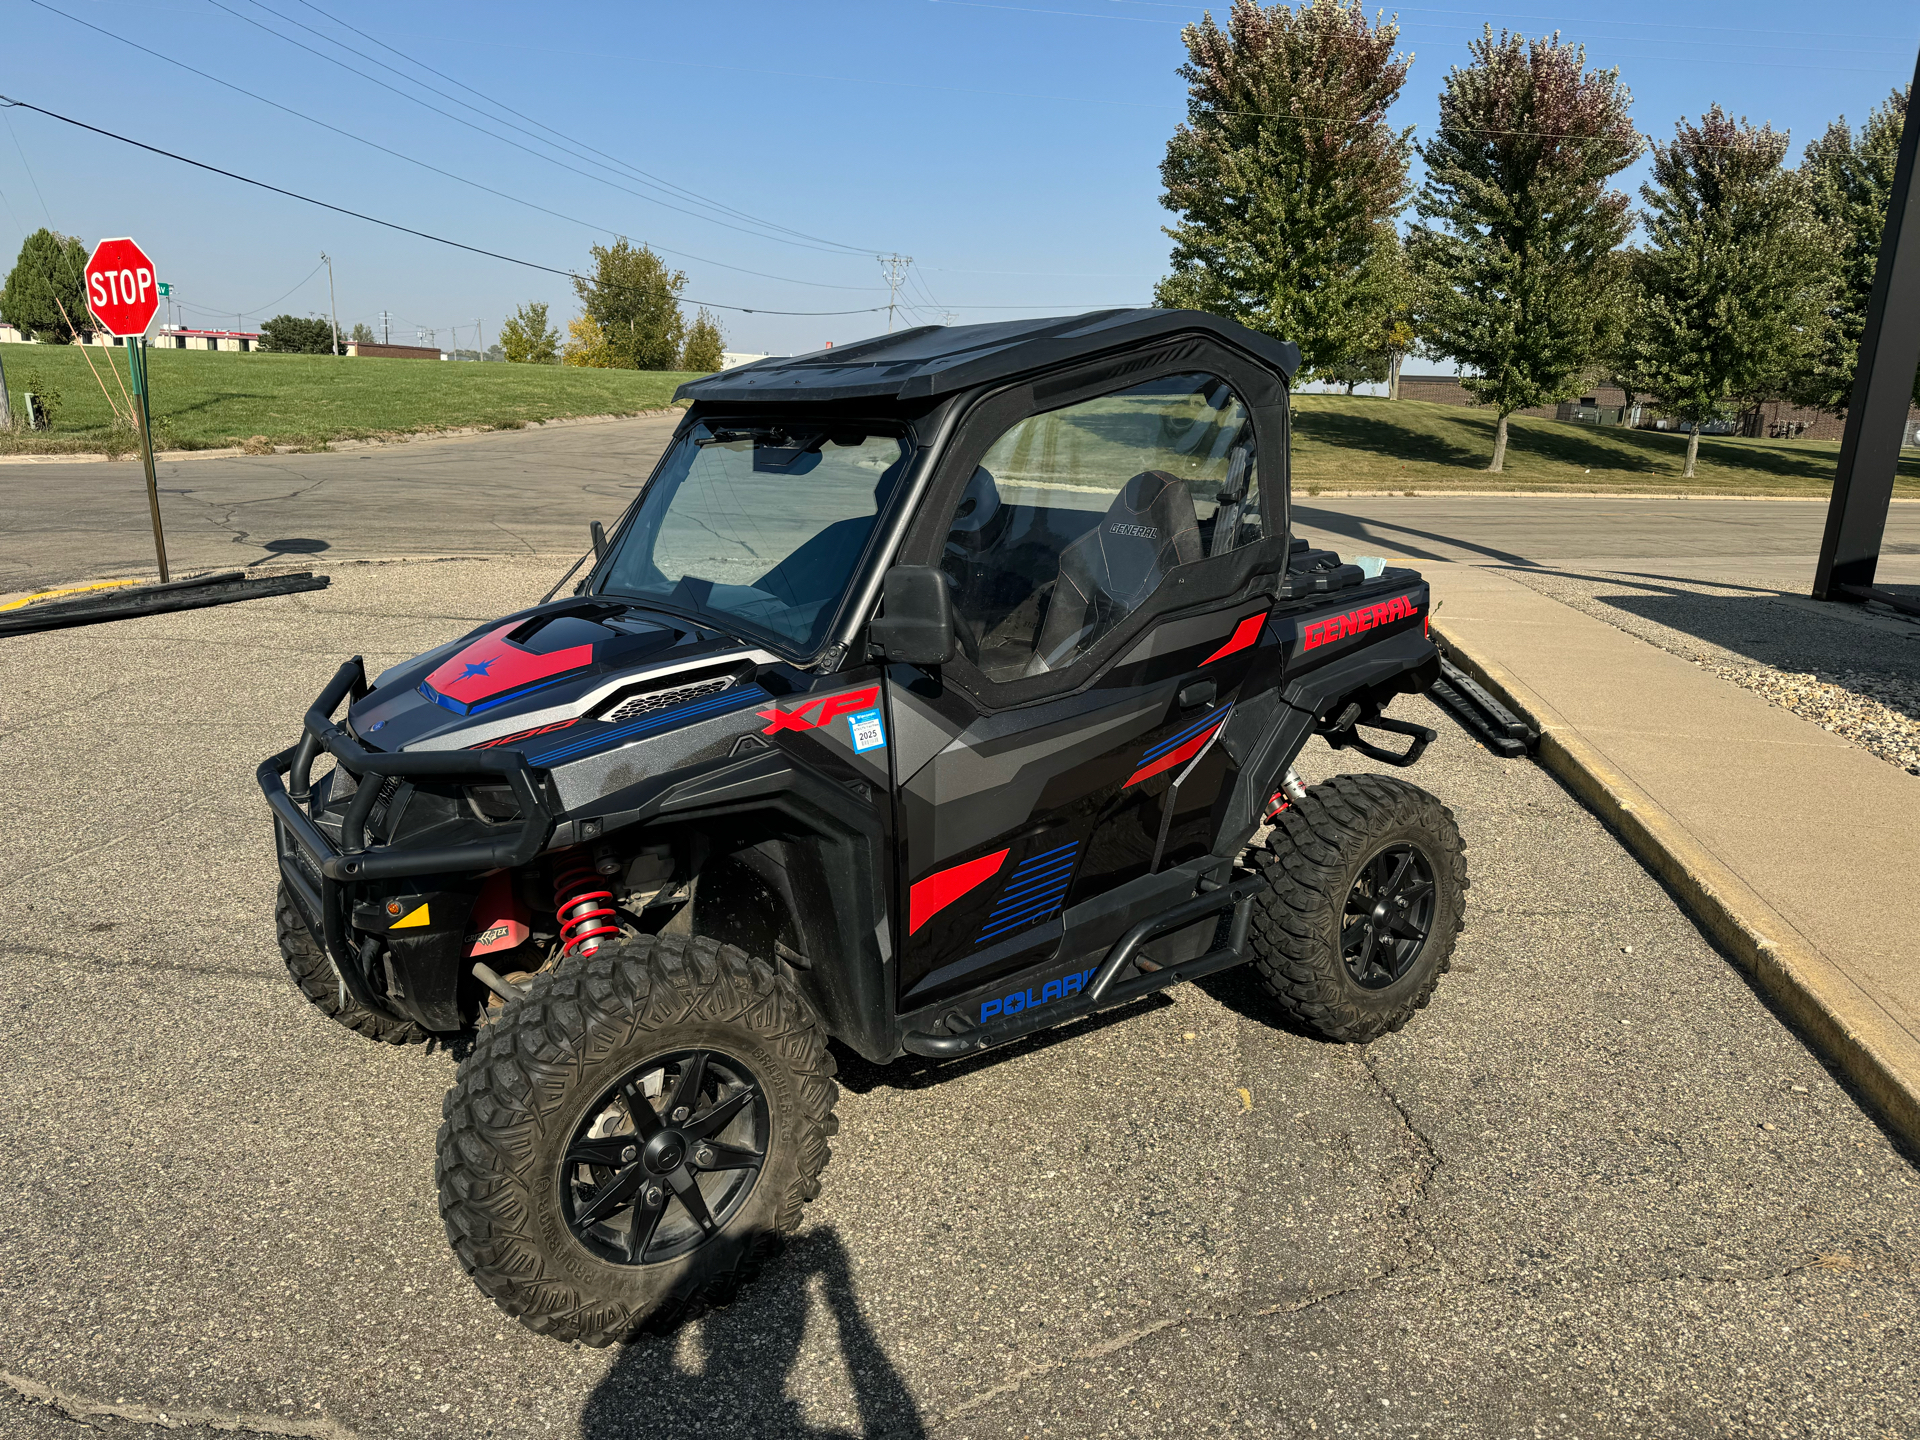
(938, 359)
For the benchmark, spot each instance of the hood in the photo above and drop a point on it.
(549, 665)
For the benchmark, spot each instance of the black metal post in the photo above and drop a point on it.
(1878, 409)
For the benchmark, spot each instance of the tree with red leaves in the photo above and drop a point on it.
(1286, 173)
(1523, 282)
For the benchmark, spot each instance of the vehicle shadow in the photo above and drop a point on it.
(746, 1380)
(917, 1073)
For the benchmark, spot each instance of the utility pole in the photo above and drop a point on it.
(333, 311)
(480, 341)
(894, 267)
(386, 332)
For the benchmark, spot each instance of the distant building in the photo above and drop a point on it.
(398, 352)
(169, 337)
(730, 358)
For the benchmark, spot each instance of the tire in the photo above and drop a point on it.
(560, 1070)
(319, 982)
(1337, 845)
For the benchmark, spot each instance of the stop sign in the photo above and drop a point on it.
(121, 290)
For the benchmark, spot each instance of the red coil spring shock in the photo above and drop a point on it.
(584, 907)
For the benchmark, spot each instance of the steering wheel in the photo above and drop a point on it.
(969, 638)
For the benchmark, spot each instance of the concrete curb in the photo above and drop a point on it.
(1818, 999)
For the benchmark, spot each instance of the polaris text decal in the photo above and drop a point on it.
(1068, 985)
(1322, 632)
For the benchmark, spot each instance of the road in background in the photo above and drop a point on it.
(525, 492)
(1596, 1187)
(533, 492)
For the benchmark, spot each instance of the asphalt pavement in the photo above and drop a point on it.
(1597, 1187)
(534, 491)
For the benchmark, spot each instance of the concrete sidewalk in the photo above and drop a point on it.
(1797, 850)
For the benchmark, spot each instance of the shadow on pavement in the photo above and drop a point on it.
(746, 1381)
(1360, 527)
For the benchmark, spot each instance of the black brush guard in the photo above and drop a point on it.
(319, 873)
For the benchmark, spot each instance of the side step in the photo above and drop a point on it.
(1482, 716)
(1105, 990)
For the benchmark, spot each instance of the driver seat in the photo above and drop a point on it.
(1109, 572)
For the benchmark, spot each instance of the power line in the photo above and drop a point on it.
(622, 165)
(491, 135)
(389, 224)
(412, 160)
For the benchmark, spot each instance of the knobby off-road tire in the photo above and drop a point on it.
(314, 973)
(1328, 848)
(544, 1069)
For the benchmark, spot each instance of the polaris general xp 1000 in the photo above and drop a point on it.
(929, 694)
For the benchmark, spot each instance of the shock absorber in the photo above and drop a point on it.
(583, 905)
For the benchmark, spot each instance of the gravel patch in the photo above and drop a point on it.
(1850, 672)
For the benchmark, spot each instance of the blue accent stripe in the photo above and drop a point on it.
(1034, 891)
(1014, 925)
(1054, 879)
(1037, 858)
(1181, 737)
(703, 709)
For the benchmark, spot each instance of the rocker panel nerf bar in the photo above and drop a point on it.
(1104, 990)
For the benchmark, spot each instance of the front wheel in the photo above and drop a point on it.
(634, 1136)
(313, 972)
(1366, 894)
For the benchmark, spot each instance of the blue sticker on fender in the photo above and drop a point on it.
(866, 730)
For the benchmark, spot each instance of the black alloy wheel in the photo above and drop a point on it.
(665, 1157)
(1388, 915)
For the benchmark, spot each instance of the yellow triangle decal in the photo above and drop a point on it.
(416, 917)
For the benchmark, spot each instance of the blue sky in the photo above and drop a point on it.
(1011, 149)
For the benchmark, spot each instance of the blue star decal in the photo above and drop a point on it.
(481, 669)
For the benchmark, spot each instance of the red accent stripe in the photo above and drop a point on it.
(1172, 758)
(927, 898)
(1245, 634)
(507, 666)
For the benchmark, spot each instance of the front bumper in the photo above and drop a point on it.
(327, 880)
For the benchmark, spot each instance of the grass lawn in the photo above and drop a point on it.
(202, 399)
(1367, 443)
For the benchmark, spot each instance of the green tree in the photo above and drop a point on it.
(362, 334)
(1736, 276)
(704, 343)
(297, 335)
(1286, 171)
(1850, 179)
(1520, 276)
(527, 338)
(634, 301)
(45, 277)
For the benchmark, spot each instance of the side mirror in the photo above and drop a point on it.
(599, 534)
(916, 624)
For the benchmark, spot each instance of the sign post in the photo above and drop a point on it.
(123, 295)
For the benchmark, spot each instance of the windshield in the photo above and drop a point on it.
(761, 524)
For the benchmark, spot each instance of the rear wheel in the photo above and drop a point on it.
(634, 1136)
(1367, 890)
(320, 983)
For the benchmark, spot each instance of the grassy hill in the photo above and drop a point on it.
(1366, 443)
(203, 399)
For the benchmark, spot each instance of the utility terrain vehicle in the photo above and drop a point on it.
(928, 694)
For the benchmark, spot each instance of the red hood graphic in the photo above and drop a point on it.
(493, 665)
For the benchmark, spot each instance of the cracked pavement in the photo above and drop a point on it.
(1597, 1187)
